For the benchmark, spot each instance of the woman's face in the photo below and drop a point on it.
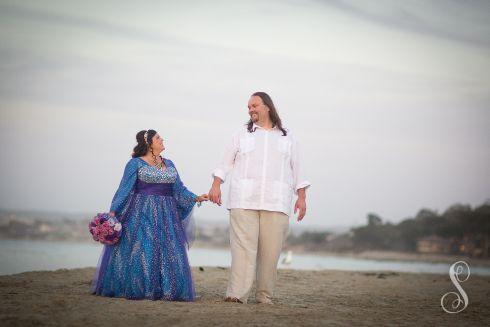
(157, 144)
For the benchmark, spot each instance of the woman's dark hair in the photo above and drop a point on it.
(276, 121)
(142, 147)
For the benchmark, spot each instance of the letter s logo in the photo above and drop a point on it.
(455, 271)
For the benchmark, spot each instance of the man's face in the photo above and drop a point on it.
(257, 108)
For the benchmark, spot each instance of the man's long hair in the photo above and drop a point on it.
(274, 116)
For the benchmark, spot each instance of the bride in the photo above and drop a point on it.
(150, 260)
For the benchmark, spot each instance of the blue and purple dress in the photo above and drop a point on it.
(150, 260)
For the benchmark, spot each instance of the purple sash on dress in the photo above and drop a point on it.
(163, 189)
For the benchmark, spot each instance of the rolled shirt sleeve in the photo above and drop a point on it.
(227, 160)
(299, 178)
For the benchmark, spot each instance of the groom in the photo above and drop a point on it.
(266, 169)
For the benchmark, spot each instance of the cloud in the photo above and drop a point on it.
(380, 94)
(67, 19)
(461, 21)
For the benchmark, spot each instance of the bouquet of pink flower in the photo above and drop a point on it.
(105, 229)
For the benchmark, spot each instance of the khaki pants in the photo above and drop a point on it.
(256, 239)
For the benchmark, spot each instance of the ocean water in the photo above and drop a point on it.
(18, 256)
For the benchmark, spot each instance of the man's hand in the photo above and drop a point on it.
(301, 204)
(215, 191)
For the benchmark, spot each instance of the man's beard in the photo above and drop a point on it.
(254, 117)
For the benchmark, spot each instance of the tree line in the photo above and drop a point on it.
(459, 225)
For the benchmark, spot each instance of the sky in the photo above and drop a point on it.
(390, 100)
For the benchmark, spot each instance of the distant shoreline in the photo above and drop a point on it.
(368, 255)
(380, 255)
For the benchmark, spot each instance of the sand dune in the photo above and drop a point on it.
(303, 298)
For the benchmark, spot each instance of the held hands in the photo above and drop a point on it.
(215, 191)
(202, 198)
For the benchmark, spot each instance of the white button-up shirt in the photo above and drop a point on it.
(265, 167)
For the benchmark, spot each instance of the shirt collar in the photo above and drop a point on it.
(255, 126)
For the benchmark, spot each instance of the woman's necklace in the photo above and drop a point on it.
(158, 165)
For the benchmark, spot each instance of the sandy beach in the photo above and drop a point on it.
(303, 298)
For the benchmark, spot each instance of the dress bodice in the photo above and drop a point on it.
(150, 174)
(141, 179)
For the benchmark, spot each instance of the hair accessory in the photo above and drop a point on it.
(146, 137)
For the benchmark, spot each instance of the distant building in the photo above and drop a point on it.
(471, 246)
(434, 244)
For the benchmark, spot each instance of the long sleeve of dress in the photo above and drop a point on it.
(125, 187)
(185, 200)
